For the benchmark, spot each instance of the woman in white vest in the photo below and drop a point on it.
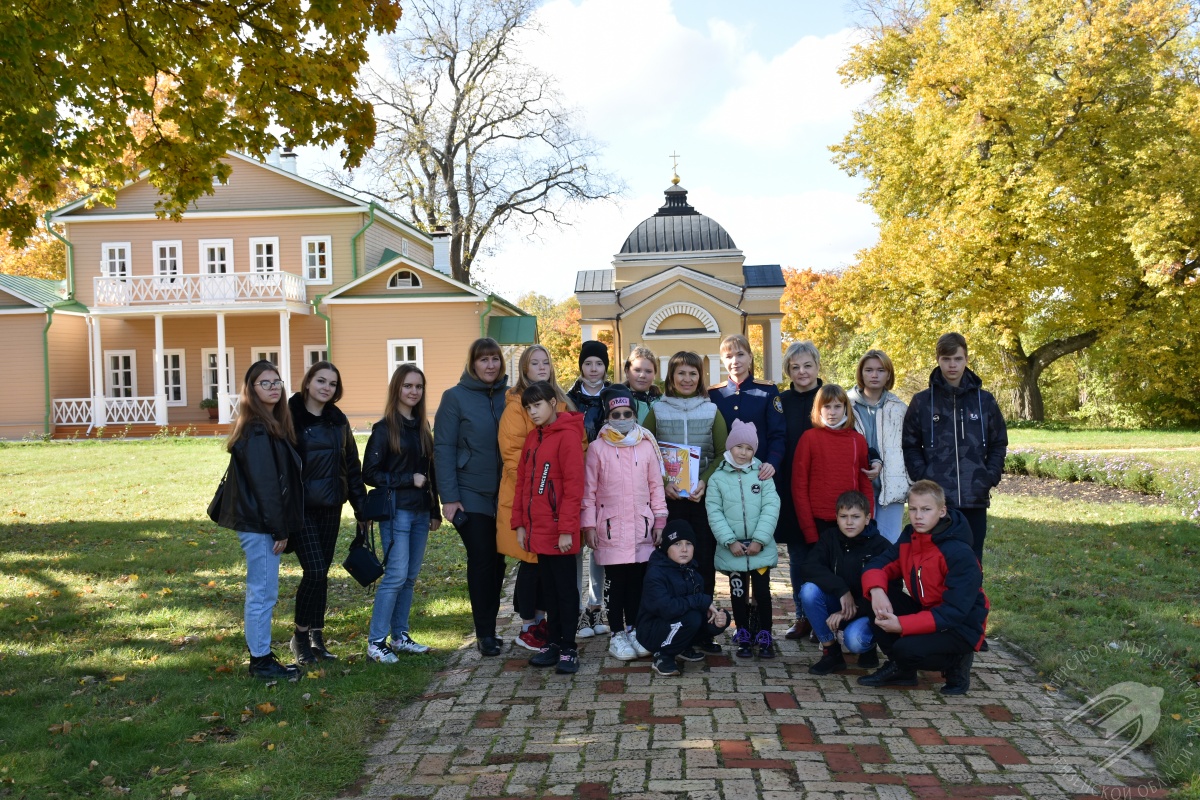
(685, 416)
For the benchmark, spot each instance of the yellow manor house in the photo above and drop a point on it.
(156, 316)
(680, 283)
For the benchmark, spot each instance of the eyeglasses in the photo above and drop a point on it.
(267, 386)
(621, 415)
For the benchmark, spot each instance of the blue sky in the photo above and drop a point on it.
(746, 93)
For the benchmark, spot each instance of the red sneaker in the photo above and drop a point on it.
(530, 640)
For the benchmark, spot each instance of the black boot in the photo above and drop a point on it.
(958, 675)
(890, 674)
(869, 659)
(831, 660)
(316, 639)
(302, 649)
(268, 668)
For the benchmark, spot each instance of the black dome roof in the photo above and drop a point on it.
(677, 227)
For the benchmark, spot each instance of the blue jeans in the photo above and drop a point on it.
(890, 519)
(796, 555)
(818, 605)
(262, 590)
(402, 540)
(595, 593)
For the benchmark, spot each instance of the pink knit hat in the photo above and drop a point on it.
(742, 433)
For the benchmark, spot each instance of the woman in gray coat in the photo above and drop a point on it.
(466, 454)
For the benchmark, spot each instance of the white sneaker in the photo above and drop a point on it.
(379, 651)
(585, 629)
(600, 621)
(620, 648)
(405, 644)
(636, 645)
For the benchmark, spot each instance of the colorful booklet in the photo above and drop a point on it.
(681, 466)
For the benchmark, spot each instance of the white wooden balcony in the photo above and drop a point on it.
(199, 290)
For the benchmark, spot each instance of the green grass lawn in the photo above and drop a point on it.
(122, 662)
(1101, 594)
(1156, 447)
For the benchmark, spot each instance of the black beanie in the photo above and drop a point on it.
(616, 396)
(677, 531)
(593, 348)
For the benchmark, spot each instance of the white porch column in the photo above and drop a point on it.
(714, 369)
(222, 369)
(662, 367)
(160, 389)
(587, 331)
(285, 350)
(99, 411)
(772, 350)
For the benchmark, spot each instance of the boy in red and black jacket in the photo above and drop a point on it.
(942, 623)
(545, 515)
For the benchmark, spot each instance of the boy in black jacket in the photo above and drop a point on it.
(676, 613)
(954, 434)
(832, 591)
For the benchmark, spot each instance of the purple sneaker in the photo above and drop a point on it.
(765, 644)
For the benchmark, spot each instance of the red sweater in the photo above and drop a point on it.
(549, 492)
(828, 462)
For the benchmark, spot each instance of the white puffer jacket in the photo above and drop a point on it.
(889, 429)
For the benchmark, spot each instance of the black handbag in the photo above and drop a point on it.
(361, 562)
(378, 505)
(214, 505)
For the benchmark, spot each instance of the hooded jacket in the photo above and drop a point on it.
(835, 563)
(623, 494)
(332, 472)
(942, 574)
(829, 461)
(956, 436)
(466, 446)
(382, 466)
(264, 492)
(549, 492)
(889, 434)
(670, 590)
(741, 507)
(589, 406)
(797, 416)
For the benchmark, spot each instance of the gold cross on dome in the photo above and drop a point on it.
(675, 167)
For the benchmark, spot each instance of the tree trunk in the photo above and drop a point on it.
(1027, 396)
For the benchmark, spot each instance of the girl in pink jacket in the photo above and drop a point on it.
(624, 512)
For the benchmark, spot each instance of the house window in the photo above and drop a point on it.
(404, 351)
(318, 267)
(120, 373)
(265, 354)
(264, 254)
(216, 256)
(168, 258)
(114, 259)
(174, 377)
(404, 279)
(314, 353)
(212, 375)
(404, 247)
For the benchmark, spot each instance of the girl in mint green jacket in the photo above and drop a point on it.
(742, 512)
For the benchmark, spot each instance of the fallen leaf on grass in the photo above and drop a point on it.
(107, 780)
(313, 674)
(246, 715)
(180, 641)
(116, 679)
(224, 668)
(93, 765)
(8, 693)
(64, 728)
(197, 738)
(269, 745)
(213, 717)
(179, 791)
(282, 723)
(266, 708)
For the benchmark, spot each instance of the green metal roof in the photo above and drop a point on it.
(388, 255)
(39, 290)
(513, 330)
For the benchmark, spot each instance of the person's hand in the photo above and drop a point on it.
(834, 621)
(874, 470)
(521, 538)
(590, 535)
(279, 546)
(449, 510)
(418, 480)
(434, 524)
(362, 526)
(887, 622)
(754, 549)
(849, 608)
(880, 603)
(736, 548)
(765, 471)
(565, 541)
(698, 495)
(671, 491)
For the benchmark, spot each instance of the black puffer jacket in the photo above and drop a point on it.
(589, 406)
(384, 467)
(797, 416)
(264, 492)
(670, 590)
(835, 563)
(332, 473)
(956, 436)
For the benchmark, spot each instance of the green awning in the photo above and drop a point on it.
(513, 330)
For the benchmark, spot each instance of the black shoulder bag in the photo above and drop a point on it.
(361, 562)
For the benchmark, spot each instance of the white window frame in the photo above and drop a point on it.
(314, 353)
(207, 388)
(159, 261)
(404, 247)
(110, 388)
(160, 360)
(392, 344)
(265, 353)
(206, 265)
(306, 268)
(255, 265)
(109, 262)
(414, 281)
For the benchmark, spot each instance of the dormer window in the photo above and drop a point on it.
(404, 279)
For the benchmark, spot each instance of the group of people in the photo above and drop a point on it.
(573, 483)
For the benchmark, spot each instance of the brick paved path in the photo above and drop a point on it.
(496, 727)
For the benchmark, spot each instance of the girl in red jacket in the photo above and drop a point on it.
(831, 459)
(545, 515)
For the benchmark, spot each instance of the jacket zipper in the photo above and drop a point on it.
(553, 501)
(608, 525)
(957, 466)
(920, 585)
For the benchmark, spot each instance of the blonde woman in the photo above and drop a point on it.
(879, 416)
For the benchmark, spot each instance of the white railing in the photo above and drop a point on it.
(73, 411)
(129, 410)
(233, 406)
(230, 287)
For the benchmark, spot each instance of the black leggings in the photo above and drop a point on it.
(556, 575)
(623, 594)
(741, 585)
(929, 651)
(696, 515)
(527, 593)
(485, 571)
(314, 550)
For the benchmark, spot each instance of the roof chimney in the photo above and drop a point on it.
(287, 160)
(441, 249)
